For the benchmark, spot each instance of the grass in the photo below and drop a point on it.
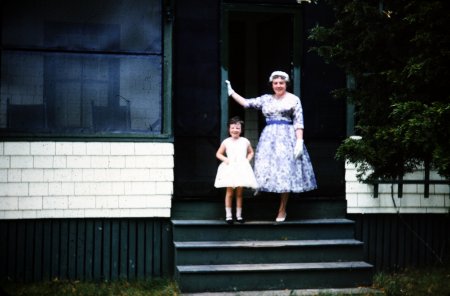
(156, 287)
(414, 282)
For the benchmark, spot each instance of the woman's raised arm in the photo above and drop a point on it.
(238, 98)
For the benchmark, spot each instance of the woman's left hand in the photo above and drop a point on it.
(298, 149)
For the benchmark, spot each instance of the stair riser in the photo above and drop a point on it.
(262, 232)
(296, 210)
(268, 255)
(274, 280)
(260, 209)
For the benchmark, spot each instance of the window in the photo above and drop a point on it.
(89, 68)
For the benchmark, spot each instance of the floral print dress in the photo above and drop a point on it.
(275, 168)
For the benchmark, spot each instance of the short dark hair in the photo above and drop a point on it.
(234, 120)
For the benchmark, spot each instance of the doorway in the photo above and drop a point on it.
(257, 40)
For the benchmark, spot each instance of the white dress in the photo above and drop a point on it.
(238, 172)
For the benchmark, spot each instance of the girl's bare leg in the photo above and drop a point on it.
(229, 204)
(239, 198)
(239, 201)
(229, 197)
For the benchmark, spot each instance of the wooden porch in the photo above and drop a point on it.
(314, 248)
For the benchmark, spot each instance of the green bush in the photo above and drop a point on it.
(397, 54)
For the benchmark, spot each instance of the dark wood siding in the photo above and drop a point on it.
(196, 98)
(112, 249)
(85, 249)
(393, 241)
(325, 116)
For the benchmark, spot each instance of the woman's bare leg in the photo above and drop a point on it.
(283, 204)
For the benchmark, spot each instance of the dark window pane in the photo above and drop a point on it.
(89, 67)
(80, 93)
(93, 25)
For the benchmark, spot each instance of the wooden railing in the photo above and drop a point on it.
(400, 182)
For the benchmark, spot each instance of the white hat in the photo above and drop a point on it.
(279, 73)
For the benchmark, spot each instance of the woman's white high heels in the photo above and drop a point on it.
(281, 219)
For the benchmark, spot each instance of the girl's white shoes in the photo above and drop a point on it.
(240, 220)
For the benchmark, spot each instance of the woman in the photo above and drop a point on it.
(282, 163)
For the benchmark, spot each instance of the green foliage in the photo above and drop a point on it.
(398, 53)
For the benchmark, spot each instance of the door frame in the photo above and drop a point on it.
(226, 9)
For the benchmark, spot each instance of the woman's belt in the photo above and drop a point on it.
(273, 121)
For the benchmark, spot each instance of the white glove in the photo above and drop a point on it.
(298, 149)
(230, 90)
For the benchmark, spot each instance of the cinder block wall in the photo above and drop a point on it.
(81, 180)
(360, 197)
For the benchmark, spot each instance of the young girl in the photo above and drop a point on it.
(235, 171)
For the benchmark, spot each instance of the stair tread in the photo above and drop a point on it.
(252, 223)
(274, 267)
(265, 243)
(290, 292)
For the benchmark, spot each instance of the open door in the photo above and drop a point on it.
(257, 40)
(255, 44)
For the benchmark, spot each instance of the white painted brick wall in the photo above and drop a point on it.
(5, 161)
(360, 197)
(43, 148)
(21, 162)
(80, 180)
(3, 175)
(16, 148)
